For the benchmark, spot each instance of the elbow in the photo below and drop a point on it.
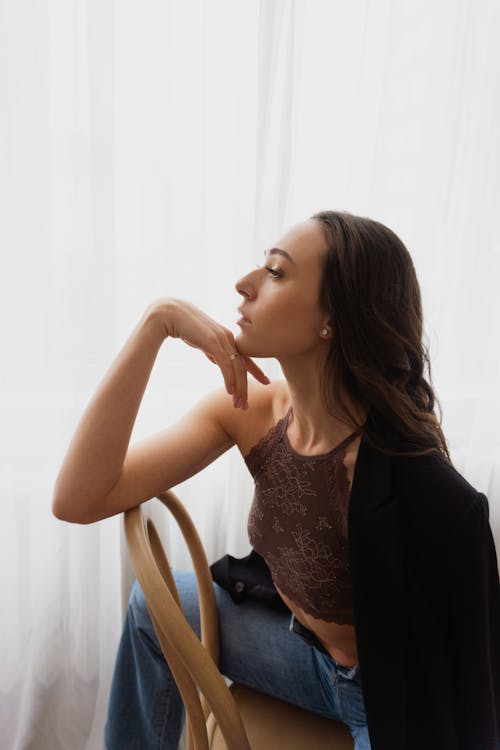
(70, 512)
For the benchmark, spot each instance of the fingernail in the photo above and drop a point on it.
(237, 403)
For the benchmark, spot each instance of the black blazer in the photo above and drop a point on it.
(426, 599)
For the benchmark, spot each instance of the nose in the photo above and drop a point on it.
(246, 285)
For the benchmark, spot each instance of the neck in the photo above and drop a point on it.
(312, 426)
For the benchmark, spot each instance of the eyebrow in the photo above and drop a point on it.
(279, 251)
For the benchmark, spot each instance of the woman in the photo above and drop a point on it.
(380, 552)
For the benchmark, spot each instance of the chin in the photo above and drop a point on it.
(248, 349)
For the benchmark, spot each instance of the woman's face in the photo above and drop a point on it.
(280, 313)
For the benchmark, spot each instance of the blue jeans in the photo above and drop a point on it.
(259, 647)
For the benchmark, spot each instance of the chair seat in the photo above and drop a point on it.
(271, 724)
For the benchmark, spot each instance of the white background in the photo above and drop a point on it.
(156, 148)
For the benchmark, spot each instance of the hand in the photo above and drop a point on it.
(183, 320)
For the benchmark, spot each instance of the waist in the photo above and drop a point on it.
(338, 641)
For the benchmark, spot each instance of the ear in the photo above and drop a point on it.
(326, 330)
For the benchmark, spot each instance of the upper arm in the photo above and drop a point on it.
(171, 456)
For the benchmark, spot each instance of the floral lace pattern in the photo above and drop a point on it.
(298, 523)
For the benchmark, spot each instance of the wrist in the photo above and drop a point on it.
(157, 317)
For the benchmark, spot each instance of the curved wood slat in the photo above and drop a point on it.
(151, 571)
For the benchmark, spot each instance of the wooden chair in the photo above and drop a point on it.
(218, 717)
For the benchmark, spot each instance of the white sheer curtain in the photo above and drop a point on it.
(156, 150)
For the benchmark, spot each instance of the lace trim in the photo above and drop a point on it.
(256, 456)
(321, 456)
(327, 610)
(261, 449)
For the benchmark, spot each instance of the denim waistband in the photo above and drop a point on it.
(309, 637)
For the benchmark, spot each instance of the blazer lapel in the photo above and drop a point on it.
(378, 590)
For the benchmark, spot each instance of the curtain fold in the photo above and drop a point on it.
(157, 152)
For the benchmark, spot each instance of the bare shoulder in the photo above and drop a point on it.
(266, 405)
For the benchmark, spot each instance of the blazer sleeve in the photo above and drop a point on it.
(473, 596)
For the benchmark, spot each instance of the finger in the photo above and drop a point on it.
(238, 372)
(255, 370)
(235, 378)
(241, 383)
(229, 381)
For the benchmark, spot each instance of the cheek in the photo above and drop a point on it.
(304, 311)
(292, 312)
(297, 326)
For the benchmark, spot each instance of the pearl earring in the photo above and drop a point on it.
(324, 332)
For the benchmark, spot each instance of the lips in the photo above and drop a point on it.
(245, 318)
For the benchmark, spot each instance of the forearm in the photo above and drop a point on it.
(95, 457)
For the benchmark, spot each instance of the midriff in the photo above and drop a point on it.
(338, 640)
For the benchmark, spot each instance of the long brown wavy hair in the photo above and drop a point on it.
(370, 290)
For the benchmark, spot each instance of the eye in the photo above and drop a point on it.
(275, 272)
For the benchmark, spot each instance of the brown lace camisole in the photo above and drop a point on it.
(298, 522)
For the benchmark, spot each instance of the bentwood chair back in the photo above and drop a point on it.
(218, 717)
